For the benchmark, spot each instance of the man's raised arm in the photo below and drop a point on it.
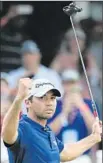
(74, 150)
(11, 120)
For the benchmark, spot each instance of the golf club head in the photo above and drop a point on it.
(71, 9)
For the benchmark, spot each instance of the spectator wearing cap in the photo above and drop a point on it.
(32, 67)
(73, 118)
(12, 35)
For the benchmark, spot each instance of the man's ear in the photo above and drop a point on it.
(28, 103)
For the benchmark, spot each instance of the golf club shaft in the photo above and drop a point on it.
(87, 80)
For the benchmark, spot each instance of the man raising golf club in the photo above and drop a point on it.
(30, 140)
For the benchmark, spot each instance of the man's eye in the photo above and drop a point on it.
(41, 97)
(53, 98)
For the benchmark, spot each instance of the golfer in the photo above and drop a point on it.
(30, 140)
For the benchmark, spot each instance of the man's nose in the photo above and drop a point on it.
(49, 102)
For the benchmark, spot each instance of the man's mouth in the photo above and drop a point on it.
(49, 110)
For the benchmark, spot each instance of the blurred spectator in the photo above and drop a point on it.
(69, 42)
(73, 118)
(5, 89)
(5, 104)
(96, 43)
(94, 76)
(68, 57)
(94, 32)
(32, 67)
(93, 27)
(91, 21)
(12, 35)
(68, 51)
(5, 93)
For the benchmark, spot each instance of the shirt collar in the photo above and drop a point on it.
(35, 124)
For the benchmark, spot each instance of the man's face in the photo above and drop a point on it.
(31, 60)
(70, 86)
(44, 107)
(73, 44)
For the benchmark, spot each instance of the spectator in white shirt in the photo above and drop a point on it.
(32, 67)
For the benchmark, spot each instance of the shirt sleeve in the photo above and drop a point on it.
(60, 145)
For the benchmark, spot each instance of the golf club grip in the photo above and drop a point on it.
(95, 113)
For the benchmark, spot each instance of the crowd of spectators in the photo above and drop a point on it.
(21, 57)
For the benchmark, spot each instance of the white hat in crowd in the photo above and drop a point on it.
(70, 75)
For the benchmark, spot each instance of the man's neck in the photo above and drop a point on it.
(42, 122)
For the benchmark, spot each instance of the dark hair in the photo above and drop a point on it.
(30, 98)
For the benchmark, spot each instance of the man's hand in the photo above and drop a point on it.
(97, 130)
(24, 86)
(74, 150)
(12, 12)
(67, 105)
(71, 101)
(77, 99)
